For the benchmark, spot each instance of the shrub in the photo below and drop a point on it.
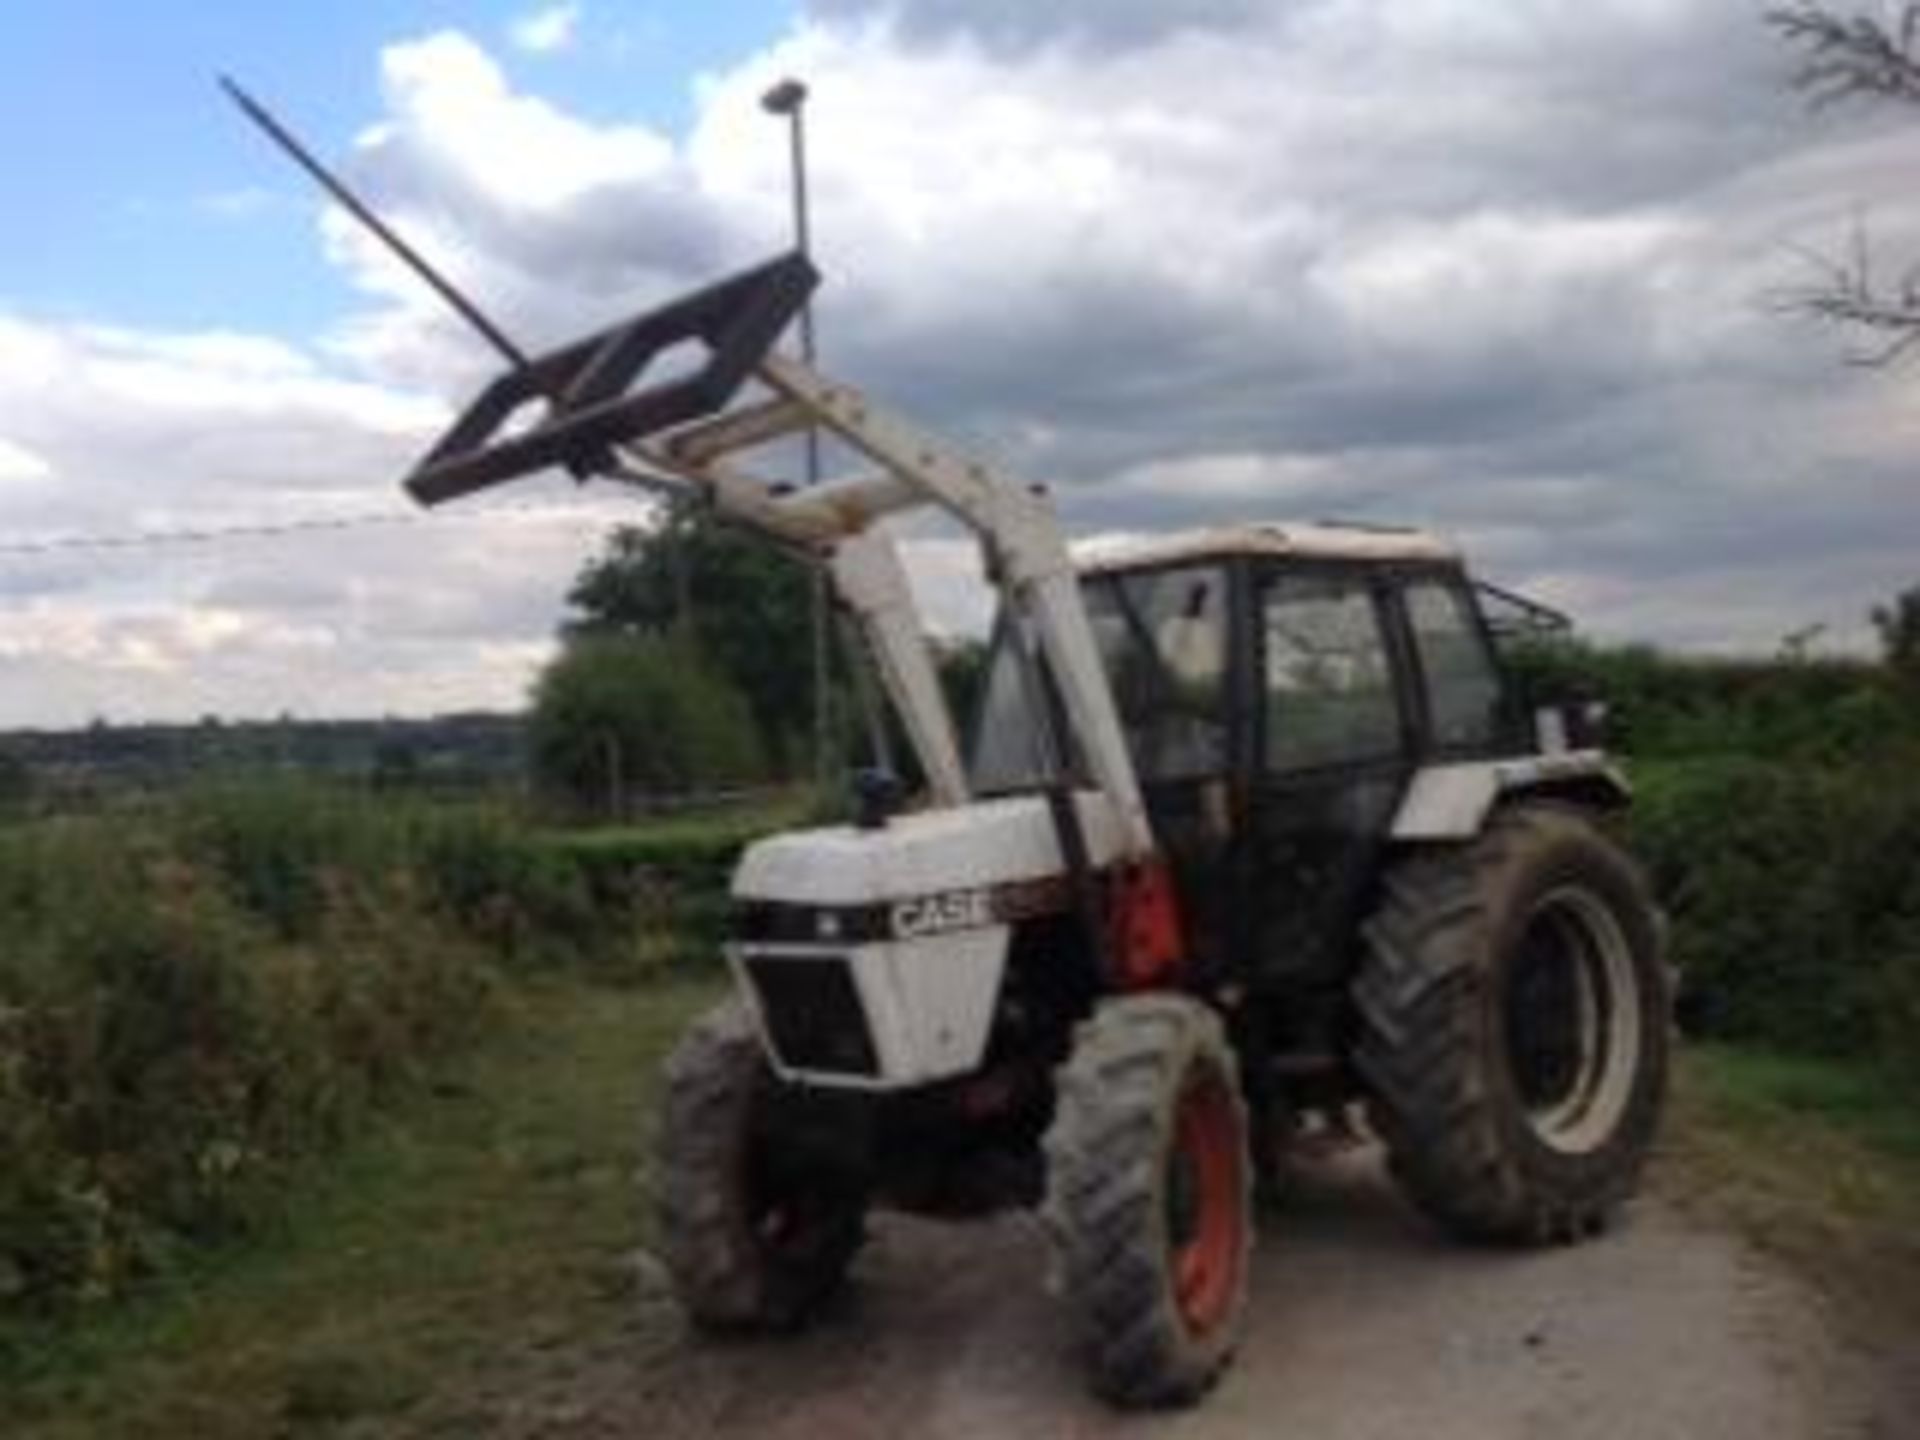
(662, 887)
(500, 887)
(181, 1019)
(1825, 711)
(1796, 897)
(279, 842)
(195, 997)
(1778, 811)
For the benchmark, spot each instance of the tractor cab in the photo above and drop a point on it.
(1279, 687)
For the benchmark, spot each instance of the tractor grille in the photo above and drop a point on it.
(813, 1013)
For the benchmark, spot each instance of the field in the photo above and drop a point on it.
(320, 1109)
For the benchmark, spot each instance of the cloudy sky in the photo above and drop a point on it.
(1503, 267)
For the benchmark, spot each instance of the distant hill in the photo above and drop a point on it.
(444, 751)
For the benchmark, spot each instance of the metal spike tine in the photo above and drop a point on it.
(334, 186)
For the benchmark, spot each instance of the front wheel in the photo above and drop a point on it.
(753, 1235)
(1148, 1197)
(1513, 1009)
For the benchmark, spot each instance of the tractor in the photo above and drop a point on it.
(1252, 830)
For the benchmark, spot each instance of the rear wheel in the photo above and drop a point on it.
(1514, 1027)
(752, 1235)
(1148, 1197)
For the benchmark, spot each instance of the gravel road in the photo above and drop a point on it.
(1365, 1326)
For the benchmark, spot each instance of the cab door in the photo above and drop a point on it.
(1330, 756)
(1165, 634)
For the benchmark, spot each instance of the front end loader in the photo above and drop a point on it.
(1253, 829)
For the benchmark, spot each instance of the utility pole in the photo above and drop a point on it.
(789, 99)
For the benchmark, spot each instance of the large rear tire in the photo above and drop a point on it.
(1514, 1022)
(751, 1236)
(1149, 1197)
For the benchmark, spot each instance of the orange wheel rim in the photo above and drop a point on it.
(1207, 1213)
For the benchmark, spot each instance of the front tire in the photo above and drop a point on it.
(752, 1236)
(1149, 1197)
(1514, 1027)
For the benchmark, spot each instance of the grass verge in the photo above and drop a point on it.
(1817, 1161)
(494, 1215)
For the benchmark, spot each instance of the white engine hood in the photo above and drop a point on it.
(988, 842)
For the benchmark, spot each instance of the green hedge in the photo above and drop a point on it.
(1795, 891)
(1827, 711)
(1779, 808)
(663, 886)
(195, 997)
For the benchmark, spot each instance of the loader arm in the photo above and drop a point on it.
(694, 430)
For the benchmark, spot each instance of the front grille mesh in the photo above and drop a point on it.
(813, 1013)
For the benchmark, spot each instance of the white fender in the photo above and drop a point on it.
(1450, 802)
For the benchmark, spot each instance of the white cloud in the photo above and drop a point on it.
(450, 95)
(19, 465)
(1501, 270)
(546, 31)
(157, 429)
(455, 613)
(1489, 277)
(121, 431)
(558, 222)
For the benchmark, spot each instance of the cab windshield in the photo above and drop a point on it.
(1162, 637)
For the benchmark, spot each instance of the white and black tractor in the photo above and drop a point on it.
(1251, 829)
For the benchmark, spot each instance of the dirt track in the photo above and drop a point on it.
(1364, 1324)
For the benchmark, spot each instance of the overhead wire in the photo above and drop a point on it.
(168, 537)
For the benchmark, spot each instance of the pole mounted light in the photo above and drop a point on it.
(787, 99)
(784, 98)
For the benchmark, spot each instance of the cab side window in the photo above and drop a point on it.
(1328, 682)
(1163, 639)
(1462, 686)
(1006, 750)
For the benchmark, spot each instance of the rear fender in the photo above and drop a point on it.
(1452, 802)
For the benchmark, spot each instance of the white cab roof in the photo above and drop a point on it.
(1321, 542)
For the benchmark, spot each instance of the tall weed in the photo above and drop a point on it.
(195, 996)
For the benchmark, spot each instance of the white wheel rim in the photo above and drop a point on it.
(1583, 1111)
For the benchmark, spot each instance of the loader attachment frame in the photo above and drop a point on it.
(588, 386)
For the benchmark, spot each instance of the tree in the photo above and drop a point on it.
(741, 603)
(1899, 627)
(618, 715)
(1858, 57)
